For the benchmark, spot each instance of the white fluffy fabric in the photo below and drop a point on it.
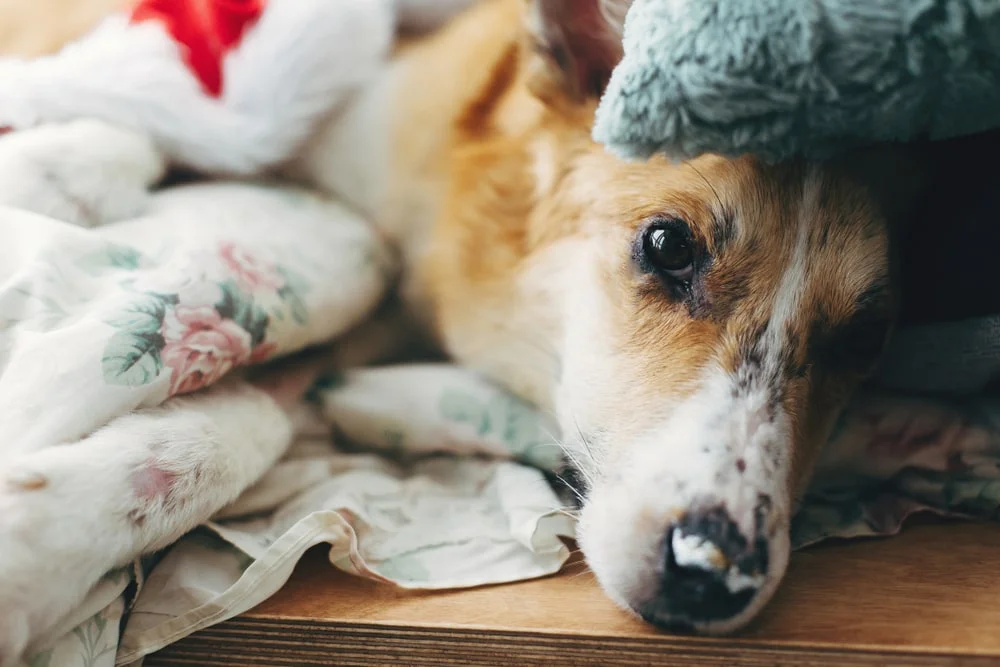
(296, 64)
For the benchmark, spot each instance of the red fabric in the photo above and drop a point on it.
(206, 30)
(4, 129)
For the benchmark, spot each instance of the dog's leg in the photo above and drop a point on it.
(71, 513)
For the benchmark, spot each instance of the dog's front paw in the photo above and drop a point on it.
(84, 172)
(45, 569)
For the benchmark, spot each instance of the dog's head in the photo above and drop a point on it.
(719, 314)
(709, 318)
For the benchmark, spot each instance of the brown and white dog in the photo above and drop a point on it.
(695, 327)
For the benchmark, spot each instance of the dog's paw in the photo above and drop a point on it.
(45, 570)
(84, 172)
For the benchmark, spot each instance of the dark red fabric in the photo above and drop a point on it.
(206, 30)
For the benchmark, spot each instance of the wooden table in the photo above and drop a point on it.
(930, 596)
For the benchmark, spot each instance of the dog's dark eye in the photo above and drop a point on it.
(669, 249)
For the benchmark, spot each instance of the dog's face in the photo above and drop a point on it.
(718, 314)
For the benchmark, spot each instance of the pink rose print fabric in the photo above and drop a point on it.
(133, 313)
(200, 347)
(196, 344)
(251, 273)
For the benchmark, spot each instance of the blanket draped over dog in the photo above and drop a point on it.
(123, 311)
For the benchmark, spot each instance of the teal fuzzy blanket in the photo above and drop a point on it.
(800, 77)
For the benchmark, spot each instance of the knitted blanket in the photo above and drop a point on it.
(785, 77)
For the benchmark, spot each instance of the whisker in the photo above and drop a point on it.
(583, 438)
(572, 489)
(579, 468)
(571, 456)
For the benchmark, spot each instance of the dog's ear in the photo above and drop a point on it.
(574, 44)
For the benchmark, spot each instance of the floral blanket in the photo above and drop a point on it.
(205, 280)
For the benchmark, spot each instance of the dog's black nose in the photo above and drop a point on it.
(711, 572)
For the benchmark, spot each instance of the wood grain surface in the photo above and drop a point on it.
(930, 596)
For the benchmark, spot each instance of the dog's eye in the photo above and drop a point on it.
(668, 248)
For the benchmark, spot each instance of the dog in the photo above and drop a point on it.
(694, 327)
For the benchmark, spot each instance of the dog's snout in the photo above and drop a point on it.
(712, 571)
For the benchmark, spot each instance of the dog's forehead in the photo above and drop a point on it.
(793, 230)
